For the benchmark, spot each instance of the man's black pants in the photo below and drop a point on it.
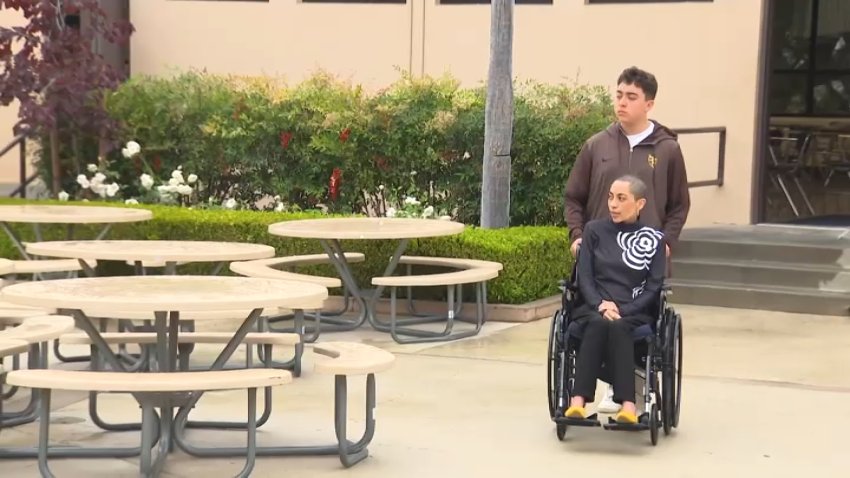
(607, 342)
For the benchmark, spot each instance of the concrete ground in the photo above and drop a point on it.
(765, 394)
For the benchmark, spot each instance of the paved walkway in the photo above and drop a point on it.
(765, 394)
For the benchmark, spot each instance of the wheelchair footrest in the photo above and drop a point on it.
(641, 425)
(590, 421)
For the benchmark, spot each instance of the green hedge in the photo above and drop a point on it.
(248, 138)
(534, 257)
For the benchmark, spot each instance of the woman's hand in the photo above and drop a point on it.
(610, 314)
(609, 310)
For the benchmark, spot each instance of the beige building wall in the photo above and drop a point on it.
(9, 163)
(706, 78)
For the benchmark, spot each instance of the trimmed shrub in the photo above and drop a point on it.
(328, 143)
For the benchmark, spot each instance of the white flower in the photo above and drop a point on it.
(175, 182)
(413, 173)
(445, 218)
(146, 180)
(63, 196)
(184, 189)
(98, 188)
(411, 200)
(165, 190)
(277, 198)
(229, 204)
(91, 167)
(428, 212)
(131, 201)
(83, 181)
(279, 207)
(466, 155)
(381, 187)
(178, 175)
(131, 149)
(112, 189)
(99, 178)
(192, 178)
(390, 212)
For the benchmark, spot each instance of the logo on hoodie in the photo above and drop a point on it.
(652, 160)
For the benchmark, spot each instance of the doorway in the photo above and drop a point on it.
(805, 163)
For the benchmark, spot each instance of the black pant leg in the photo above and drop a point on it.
(621, 351)
(591, 354)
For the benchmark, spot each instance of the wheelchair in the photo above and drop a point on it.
(658, 364)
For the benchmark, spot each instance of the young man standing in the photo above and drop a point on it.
(634, 145)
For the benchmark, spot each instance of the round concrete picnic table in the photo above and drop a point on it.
(165, 297)
(365, 228)
(55, 214)
(164, 293)
(71, 216)
(152, 251)
(331, 231)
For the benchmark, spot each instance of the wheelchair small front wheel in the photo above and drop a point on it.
(653, 424)
(561, 430)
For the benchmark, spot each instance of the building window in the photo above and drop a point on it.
(810, 58)
(355, 1)
(487, 2)
(646, 1)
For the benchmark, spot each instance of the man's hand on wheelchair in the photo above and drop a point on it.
(574, 247)
(609, 310)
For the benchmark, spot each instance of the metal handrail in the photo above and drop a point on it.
(721, 154)
(21, 142)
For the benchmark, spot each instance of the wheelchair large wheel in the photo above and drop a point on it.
(553, 372)
(671, 376)
(678, 356)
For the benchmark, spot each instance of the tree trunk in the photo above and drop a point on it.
(498, 120)
(56, 183)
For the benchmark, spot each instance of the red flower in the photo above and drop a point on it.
(157, 164)
(343, 135)
(381, 163)
(285, 138)
(333, 184)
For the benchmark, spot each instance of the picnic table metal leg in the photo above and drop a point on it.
(367, 304)
(421, 336)
(43, 451)
(16, 241)
(349, 452)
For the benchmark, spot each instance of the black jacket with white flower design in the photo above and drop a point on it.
(623, 263)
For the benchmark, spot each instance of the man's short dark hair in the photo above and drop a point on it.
(642, 79)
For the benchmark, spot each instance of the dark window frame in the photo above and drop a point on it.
(811, 72)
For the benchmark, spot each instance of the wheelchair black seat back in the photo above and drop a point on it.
(658, 362)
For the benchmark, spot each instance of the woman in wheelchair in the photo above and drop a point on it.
(620, 272)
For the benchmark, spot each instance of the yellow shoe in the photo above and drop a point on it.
(575, 412)
(626, 418)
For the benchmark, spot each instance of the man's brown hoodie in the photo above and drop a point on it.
(657, 160)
